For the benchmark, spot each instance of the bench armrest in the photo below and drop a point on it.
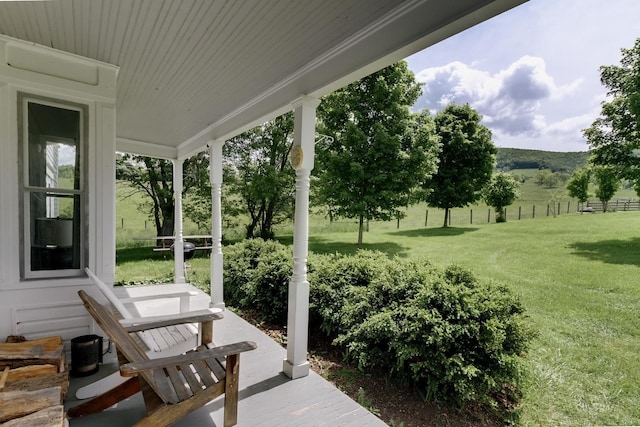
(153, 322)
(131, 369)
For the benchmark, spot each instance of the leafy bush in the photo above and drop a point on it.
(456, 339)
(257, 274)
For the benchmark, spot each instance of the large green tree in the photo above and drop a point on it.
(261, 176)
(154, 178)
(614, 137)
(466, 159)
(578, 185)
(379, 152)
(607, 183)
(500, 192)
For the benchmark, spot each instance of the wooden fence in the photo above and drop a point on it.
(615, 205)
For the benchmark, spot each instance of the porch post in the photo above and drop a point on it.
(302, 155)
(178, 251)
(215, 176)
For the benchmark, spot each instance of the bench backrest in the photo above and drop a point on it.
(124, 342)
(108, 292)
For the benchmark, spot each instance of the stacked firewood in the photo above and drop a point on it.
(33, 382)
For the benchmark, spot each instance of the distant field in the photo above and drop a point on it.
(534, 201)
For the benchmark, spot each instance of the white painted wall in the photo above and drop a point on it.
(51, 307)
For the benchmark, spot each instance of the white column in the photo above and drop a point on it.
(178, 251)
(215, 175)
(296, 364)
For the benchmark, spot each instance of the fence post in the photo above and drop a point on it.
(558, 208)
(450, 213)
(533, 214)
(426, 217)
(547, 209)
(505, 214)
(488, 216)
(145, 224)
(122, 221)
(568, 205)
(471, 216)
(519, 212)
(398, 224)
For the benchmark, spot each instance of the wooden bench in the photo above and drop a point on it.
(172, 386)
(159, 341)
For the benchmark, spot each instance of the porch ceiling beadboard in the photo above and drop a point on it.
(196, 70)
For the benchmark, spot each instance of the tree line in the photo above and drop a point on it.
(378, 158)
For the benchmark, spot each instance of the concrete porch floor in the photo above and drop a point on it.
(266, 396)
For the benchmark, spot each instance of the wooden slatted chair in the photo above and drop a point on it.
(172, 386)
(163, 341)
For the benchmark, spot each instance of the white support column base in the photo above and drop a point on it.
(297, 371)
(296, 364)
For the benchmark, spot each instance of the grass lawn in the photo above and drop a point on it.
(578, 278)
(576, 274)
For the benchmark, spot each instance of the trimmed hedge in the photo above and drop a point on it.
(456, 339)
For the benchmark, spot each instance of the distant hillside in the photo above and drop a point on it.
(517, 158)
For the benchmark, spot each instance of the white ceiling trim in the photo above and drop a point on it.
(150, 149)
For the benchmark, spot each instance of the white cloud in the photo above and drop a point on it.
(509, 100)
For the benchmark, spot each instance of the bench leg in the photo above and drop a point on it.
(231, 390)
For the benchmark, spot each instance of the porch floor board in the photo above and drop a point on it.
(266, 396)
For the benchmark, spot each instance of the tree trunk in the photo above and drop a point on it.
(360, 229)
(266, 231)
(446, 218)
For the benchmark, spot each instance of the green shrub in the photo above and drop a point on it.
(456, 339)
(256, 276)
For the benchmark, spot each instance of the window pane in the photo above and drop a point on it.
(53, 140)
(55, 231)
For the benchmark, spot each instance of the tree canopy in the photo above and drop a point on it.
(614, 137)
(500, 192)
(578, 185)
(154, 177)
(466, 159)
(260, 174)
(607, 183)
(380, 152)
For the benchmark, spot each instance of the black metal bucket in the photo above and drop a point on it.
(86, 355)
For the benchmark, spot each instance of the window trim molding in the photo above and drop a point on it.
(26, 274)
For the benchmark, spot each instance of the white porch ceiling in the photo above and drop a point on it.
(196, 70)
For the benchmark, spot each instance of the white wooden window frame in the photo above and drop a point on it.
(26, 189)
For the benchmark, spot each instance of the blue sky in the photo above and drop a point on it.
(532, 72)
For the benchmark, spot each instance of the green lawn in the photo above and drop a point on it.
(576, 274)
(578, 278)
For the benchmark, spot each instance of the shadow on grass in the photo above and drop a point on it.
(124, 255)
(145, 253)
(434, 232)
(321, 245)
(624, 252)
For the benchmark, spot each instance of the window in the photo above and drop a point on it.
(52, 138)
